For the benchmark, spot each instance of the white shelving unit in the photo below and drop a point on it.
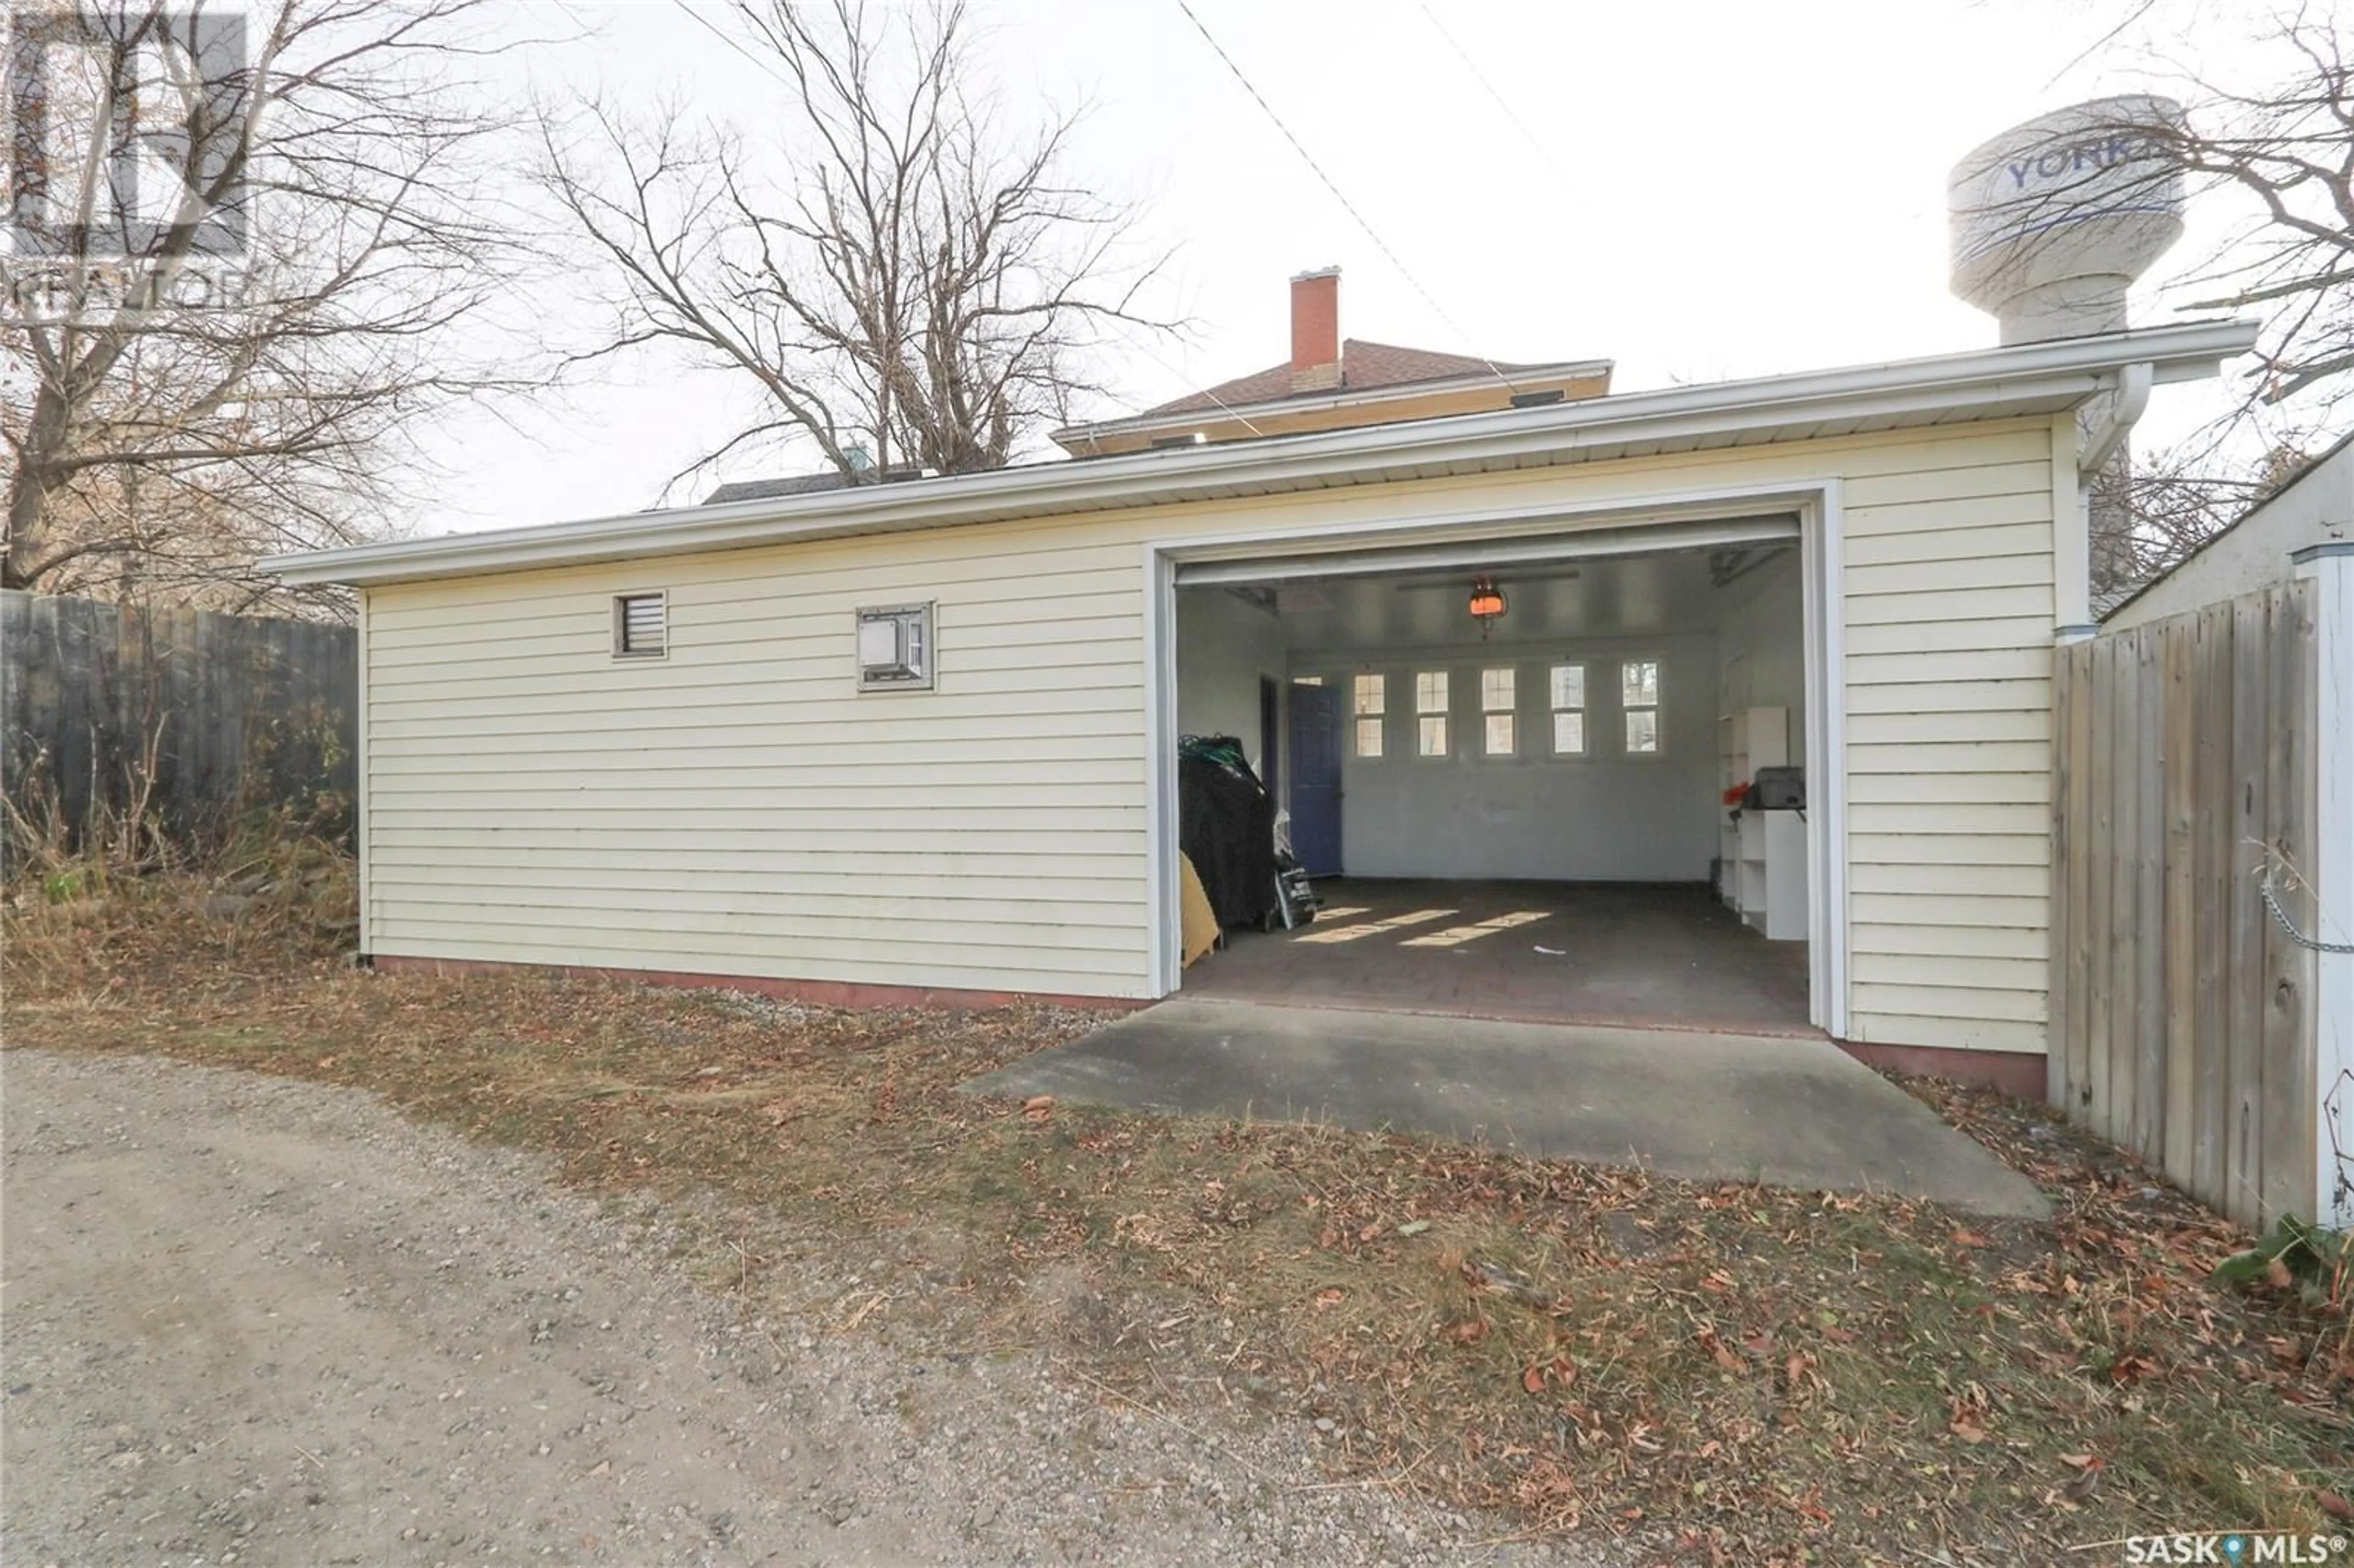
(1764, 852)
(1746, 740)
(1774, 873)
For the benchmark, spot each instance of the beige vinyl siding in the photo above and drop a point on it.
(737, 807)
(1950, 600)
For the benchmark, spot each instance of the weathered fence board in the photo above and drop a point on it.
(2184, 1024)
(210, 713)
(2069, 785)
(2178, 962)
(2102, 887)
(2243, 1040)
(2148, 935)
(2288, 975)
(2211, 653)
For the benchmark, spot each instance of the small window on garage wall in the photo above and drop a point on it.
(1430, 712)
(1369, 701)
(1565, 694)
(641, 625)
(1638, 698)
(1496, 711)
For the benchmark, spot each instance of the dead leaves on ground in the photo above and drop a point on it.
(1718, 1351)
(1755, 1375)
(1968, 1414)
(1539, 1376)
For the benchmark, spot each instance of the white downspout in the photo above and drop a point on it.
(2132, 397)
(2072, 539)
(2072, 498)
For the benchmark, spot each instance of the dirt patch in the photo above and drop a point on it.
(1691, 1372)
(257, 1320)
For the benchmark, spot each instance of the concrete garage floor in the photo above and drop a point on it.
(1656, 955)
(1789, 1111)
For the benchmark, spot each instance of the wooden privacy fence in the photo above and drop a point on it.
(204, 714)
(2182, 1015)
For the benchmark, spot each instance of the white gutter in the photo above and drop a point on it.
(2061, 372)
(1071, 436)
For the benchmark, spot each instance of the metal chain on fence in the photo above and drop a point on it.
(2264, 885)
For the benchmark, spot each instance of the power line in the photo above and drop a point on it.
(733, 42)
(1502, 103)
(1192, 385)
(1346, 205)
(1224, 407)
(2140, 10)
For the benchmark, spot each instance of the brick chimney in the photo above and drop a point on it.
(1316, 330)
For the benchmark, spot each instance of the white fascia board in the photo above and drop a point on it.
(1070, 436)
(1905, 392)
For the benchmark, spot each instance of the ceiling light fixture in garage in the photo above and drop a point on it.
(1487, 604)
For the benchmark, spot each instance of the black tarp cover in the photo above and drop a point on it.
(1226, 825)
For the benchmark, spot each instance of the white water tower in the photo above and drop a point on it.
(2053, 219)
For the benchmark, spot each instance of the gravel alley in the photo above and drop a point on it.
(251, 1320)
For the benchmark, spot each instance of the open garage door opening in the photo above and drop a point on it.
(1554, 780)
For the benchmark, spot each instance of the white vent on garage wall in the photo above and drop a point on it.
(641, 625)
(894, 647)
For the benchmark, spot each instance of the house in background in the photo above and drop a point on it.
(1334, 383)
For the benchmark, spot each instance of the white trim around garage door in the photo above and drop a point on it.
(1821, 550)
(1665, 522)
(1164, 927)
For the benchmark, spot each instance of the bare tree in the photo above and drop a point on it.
(2149, 514)
(244, 248)
(2278, 147)
(2289, 144)
(2287, 147)
(920, 290)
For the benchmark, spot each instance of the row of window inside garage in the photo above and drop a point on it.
(1423, 713)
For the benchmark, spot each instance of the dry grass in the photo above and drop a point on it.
(1715, 1372)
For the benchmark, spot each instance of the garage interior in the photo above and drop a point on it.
(1506, 767)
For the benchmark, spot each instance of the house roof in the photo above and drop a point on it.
(770, 489)
(1271, 393)
(806, 484)
(1364, 366)
(1996, 383)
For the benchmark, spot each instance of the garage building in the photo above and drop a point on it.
(918, 740)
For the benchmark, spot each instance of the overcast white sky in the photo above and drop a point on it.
(1712, 189)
